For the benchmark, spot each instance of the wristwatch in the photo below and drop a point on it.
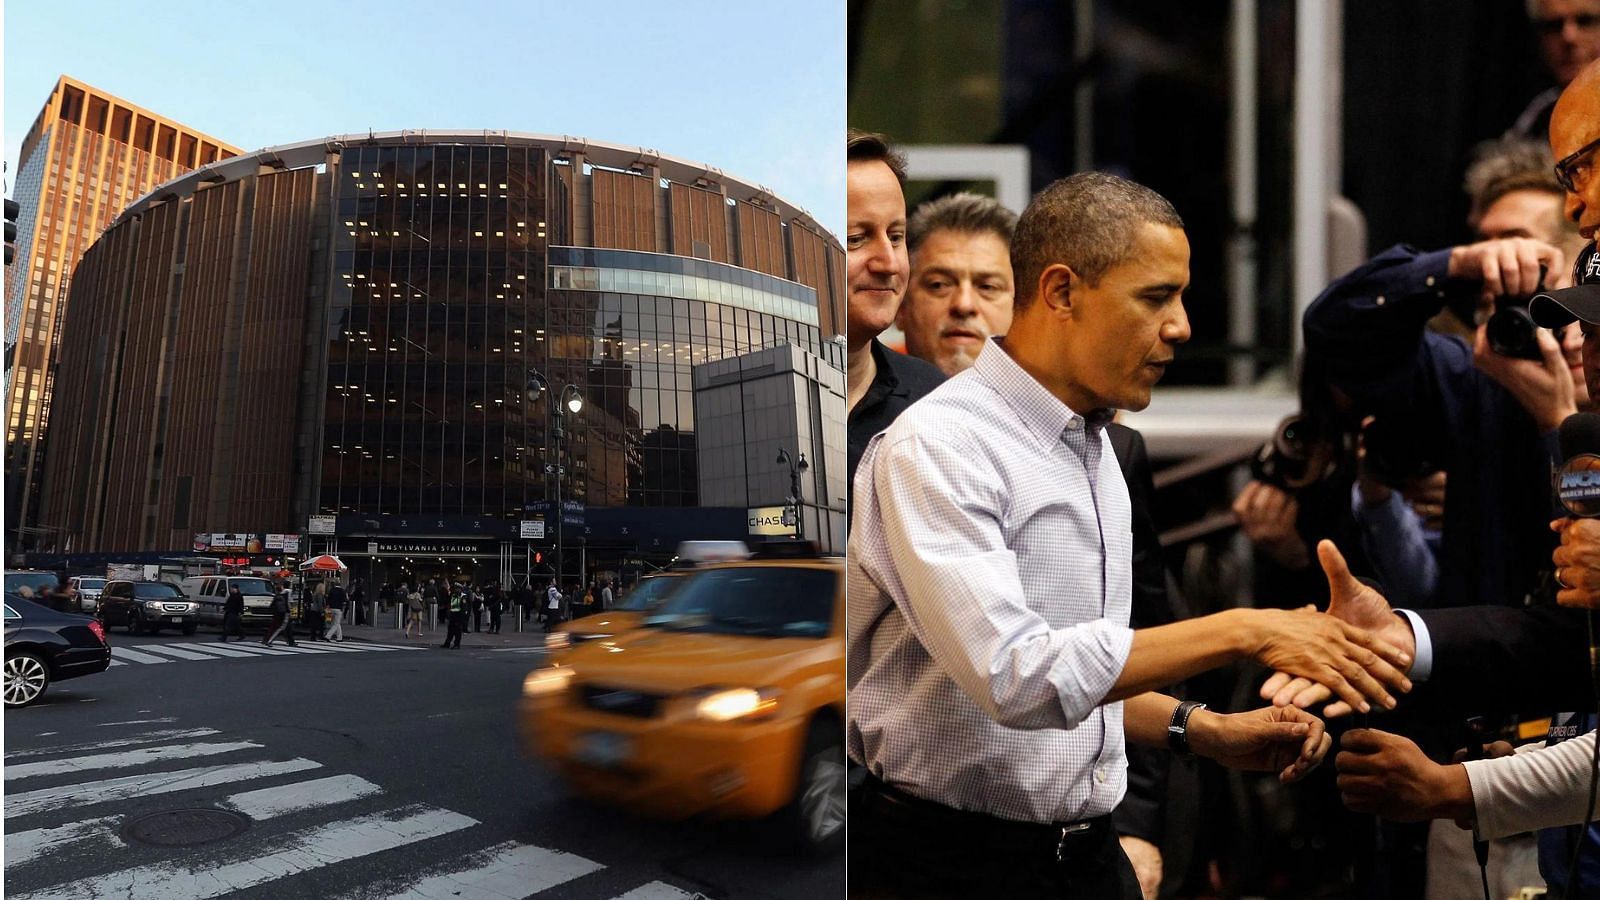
(1178, 728)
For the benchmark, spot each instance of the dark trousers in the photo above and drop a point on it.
(232, 625)
(457, 622)
(477, 618)
(902, 846)
(281, 623)
(494, 620)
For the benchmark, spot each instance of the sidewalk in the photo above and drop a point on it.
(532, 635)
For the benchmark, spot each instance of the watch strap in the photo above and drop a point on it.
(1178, 727)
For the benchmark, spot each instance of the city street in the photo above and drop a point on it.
(379, 767)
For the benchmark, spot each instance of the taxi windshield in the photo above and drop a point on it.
(648, 594)
(758, 601)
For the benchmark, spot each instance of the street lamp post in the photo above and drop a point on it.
(797, 467)
(572, 400)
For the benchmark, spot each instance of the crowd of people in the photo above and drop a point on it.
(1012, 640)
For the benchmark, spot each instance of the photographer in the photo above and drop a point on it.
(1300, 489)
(1482, 420)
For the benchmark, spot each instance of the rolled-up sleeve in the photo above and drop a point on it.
(959, 588)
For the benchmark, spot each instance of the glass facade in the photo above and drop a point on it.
(448, 300)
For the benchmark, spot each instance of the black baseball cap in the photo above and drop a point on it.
(1556, 309)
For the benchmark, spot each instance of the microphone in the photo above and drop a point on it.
(1577, 486)
(1577, 480)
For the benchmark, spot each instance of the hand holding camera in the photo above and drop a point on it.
(1505, 267)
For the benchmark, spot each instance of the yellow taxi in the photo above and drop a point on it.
(727, 702)
(627, 615)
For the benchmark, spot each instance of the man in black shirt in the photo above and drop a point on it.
(881, 382)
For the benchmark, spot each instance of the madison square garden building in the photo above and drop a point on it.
(386, 334)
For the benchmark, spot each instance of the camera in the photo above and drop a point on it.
(1293, 458)
(1510, 330)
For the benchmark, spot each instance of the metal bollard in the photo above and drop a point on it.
(433, 614)
(400, 614)
(519, 618)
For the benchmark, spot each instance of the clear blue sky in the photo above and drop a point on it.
(755, 88)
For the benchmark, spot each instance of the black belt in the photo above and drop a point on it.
(1063, 841)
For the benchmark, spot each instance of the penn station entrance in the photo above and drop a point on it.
(617, 544)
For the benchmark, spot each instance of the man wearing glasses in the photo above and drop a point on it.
(1504, 658)
(1569, 39)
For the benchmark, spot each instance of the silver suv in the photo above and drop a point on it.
(88, 588)
(146, 607)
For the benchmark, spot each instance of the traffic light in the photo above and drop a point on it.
(538, 557)
(12, 209)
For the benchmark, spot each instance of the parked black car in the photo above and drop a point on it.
(148, 606)
(43, 646)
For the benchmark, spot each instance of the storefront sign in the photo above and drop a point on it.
(291, 543)
(274, 542)
(228, 541)
(322, 525)
(429, 548)
(771, 520)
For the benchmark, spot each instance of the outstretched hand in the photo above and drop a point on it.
(1363, 609)
(1390, 776)
(1289, 741)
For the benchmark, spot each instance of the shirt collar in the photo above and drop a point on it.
(1041, 411)
(884, 378)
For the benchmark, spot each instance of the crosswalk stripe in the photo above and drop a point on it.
(257, 649)
(334, 647)
(126, 655)
(214, 649)
(24, 846)
(655, 890)
(275, 801)
(118, 662)
(175, 651)
(297, 648)
(123, 758)
(505, 870)
(91, 792)
(148, 737)
(372, 646)
(310, 849)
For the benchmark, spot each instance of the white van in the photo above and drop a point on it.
(211, 592)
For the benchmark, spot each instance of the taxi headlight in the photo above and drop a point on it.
(736, 703)
(557, 640)
(545, 682)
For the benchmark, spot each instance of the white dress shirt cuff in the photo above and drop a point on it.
(1422, 660)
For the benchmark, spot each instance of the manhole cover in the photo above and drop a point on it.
(185, 827)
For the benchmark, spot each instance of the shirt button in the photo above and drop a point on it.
(1381, 301)
(1430, 281)
(1074, 424)
(1100, 774)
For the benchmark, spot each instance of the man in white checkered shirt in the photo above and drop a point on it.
(990, 584)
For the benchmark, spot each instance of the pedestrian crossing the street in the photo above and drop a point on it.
(301, 819)
(201, 651)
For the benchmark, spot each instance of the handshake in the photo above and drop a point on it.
(1389, 775)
